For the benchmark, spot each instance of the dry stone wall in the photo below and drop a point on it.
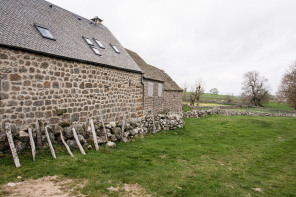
(37, 87)
(219, 111)
(134, 128)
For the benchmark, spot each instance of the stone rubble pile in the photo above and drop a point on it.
(219, 111)
(133, 128)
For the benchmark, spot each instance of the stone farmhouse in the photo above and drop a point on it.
(58, 66)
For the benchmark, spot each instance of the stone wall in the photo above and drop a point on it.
(219, 111)
(173, 101)
(36, 87)
(155, 103)
(134, 128)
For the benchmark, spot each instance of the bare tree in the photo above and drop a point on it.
(255, 88)
(197, 90)
(287, 88)
(214, 91)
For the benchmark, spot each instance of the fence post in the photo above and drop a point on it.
(11, 144)
(32, 143)
(77, 141)
(66, 145)
(94, 134)
(50, 144)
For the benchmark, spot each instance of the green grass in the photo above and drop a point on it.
(279, 106)
(211, 156)
(186, 108)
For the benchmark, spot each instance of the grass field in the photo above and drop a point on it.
(211, 156)
(279, 106)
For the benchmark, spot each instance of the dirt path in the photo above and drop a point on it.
(52, 186)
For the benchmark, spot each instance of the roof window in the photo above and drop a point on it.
(96, 51)
(88, 41)
(45, 33)
(115, 48)
(99, 44)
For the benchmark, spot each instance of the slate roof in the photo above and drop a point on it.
(149, 72)
(17, 30)
(153, 73)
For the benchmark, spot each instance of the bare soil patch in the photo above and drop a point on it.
(130, 190)
(47, 186)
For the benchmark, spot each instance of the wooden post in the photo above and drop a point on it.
(32, 143)
(94, 134)
(38, 135)
(49, 143)
(77, 141)
(11, 144)
(101, 117)
(66, 145)
(123, 125)
(154, 128)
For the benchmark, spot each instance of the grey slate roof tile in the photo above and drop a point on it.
(17, 30)
(153, 73)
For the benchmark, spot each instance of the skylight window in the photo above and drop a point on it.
(99, 44)
(88, 41)
(115, 48)
(96, 51)
(45, 33)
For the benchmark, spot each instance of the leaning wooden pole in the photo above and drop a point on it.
(66, 145)
(11, 144)
(77, 141)
(94, 134)
(123, 125)
(50, 144)
(101, 117)
(38, 135)
(32, 143)
(154, 128)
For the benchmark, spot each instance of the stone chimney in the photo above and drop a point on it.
(97, 20)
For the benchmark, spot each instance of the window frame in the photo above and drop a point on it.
(85, 39)
(38, 27)
(160, 89)
(115, 48)
(99, 43)
(96, 51)
(150, 89)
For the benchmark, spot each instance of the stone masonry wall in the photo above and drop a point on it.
(155, 103)
(173, 101)
(36, 87)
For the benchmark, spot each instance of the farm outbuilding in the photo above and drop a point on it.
(58, 66)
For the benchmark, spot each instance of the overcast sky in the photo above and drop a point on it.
(217, 41)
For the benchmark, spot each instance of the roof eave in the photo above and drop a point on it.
(69, 58)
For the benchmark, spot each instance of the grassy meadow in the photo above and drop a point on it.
(211, 156)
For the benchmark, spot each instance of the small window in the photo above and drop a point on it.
(159, 89)
(96, 51)
(88, 41)
(45, 32)
(150, 89)
(99, 44)
(115, 48)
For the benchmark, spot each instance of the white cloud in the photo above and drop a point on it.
(215, 40)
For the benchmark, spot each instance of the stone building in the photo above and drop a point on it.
(161, 93)
(56, 65)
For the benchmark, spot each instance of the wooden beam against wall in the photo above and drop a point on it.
(78, 142)
(11, 144)
(50, 144)
(66, 145)
(101, 118)
(94, 134)
(32, 143)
